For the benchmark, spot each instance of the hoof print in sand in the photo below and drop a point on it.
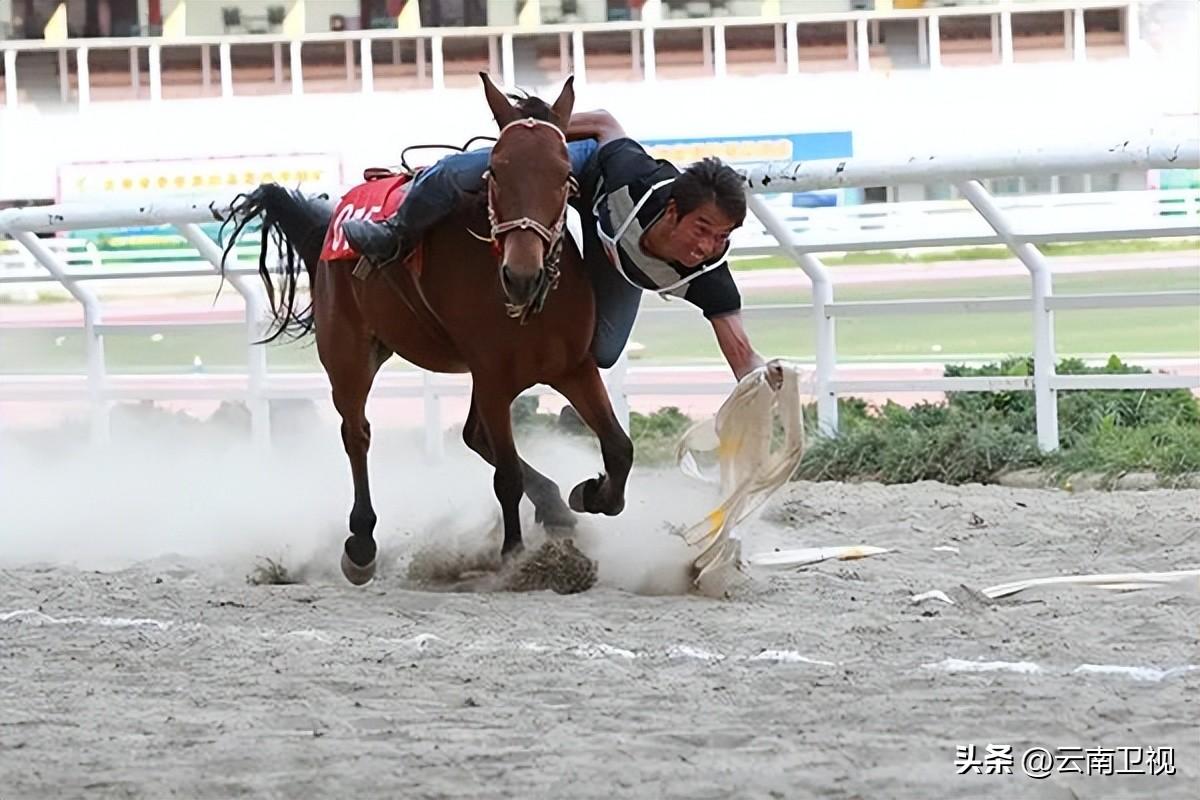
(557, 565)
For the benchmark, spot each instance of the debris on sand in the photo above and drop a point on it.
(557, 565)
(272, 573)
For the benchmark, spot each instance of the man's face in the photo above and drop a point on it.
(696, 237)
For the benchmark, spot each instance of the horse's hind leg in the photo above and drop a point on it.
(606, 493)
(494, 417)
(544, 493)
(352, 360)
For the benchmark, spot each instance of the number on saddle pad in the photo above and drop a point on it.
(376, 199)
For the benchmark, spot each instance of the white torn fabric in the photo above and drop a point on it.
(1184, 579)
(782, 559)
(751, 469)
(935, 594)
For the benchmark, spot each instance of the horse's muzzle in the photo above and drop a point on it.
(522, 292)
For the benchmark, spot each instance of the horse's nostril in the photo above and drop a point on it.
(506, 276)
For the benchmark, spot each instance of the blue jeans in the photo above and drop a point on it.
(436, 192)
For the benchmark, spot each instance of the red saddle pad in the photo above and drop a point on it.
(376, 199)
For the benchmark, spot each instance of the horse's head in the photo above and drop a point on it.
(529, 183)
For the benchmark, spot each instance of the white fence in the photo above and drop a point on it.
(861, 36)
(258, 386)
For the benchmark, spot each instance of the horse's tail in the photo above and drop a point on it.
(297, 225)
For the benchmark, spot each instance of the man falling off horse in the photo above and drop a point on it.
(647, 226)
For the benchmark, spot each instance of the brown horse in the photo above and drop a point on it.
(514, 309)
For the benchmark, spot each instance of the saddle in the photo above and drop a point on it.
(376, 199)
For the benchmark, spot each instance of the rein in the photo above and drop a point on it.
(552, 236)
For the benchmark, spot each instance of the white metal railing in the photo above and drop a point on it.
(823, 311)
(861, 30)
(937, 223)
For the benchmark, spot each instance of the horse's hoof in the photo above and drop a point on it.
(580, 495)
(509, 552)
(585, 499)
(354, 573)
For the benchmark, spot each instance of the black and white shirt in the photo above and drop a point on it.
(627, 191)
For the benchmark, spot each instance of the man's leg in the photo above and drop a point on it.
(617, 300)
(431, 197)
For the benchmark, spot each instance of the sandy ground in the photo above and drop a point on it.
(136, 661)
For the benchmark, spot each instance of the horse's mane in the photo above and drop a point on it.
(531, 107)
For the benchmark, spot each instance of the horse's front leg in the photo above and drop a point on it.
(496, 420)
(604, 494)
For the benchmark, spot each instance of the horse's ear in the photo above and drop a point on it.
(561, 110)
(502, 109)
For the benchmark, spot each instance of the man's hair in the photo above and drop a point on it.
(710, 181)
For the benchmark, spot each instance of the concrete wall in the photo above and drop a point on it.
(890, 115)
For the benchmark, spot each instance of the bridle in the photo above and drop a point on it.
(547, 278)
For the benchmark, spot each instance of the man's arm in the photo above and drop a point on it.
(735, 346)
(598, 125)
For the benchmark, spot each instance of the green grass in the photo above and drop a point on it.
(684, 336)
(883, 257)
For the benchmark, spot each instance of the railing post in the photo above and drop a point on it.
(296, 66)
(10, 78)
(64, 75)
(367, 65)
(206, 66)
(85, 79)
(791, 47)
(135, 72)
(154, 56)
(650, 67)
(435, 445)
(615, 383)
(1079, 38)
(226, 69)
(256, 355)
(822, 297)
(508, 69)
(719, 64)
(935, 42)
(1006, 40)
(1129, 24)
(93, 340)
(862, 46)
(277, 62)
(578, 59)
(439, 65)
(1045, 396)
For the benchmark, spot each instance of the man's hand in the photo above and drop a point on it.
(775, 374)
